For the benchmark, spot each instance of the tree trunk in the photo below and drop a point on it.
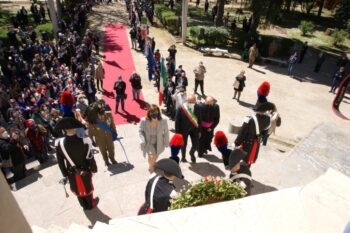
(288, 5)
(320, 8)
(220, 13)
(257, 8)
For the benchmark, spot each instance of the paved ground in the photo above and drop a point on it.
(302, 105)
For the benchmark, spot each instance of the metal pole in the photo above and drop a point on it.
(184, 20)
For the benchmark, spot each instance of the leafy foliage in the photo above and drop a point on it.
(211, 35)
(342, 13)
(339, 36)
(306, 27)
(167, 17)
(208, 190)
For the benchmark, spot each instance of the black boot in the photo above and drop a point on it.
(183, 159)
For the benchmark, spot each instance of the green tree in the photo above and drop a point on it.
(306, 27)
(339, 36)
(342, 13)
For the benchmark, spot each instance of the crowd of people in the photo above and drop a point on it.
(34, 73)
(48, 91)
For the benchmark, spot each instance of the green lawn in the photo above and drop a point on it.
(5, 23)
(319, 40)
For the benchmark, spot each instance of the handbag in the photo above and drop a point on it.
(236, 84)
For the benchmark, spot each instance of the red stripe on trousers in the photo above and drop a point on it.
(80, 186)
(252, 154)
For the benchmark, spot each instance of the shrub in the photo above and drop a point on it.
(198, 13)
(339, 36)
(208, 190)
(48, 27)
(306, 27)
(171, 23)
(212, 35)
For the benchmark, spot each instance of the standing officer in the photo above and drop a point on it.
(103, 132)
(76, 162)
(254, 128)
(186, 123)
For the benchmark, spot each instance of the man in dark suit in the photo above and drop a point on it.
(119, 87)
(209, 119)
(186, 123)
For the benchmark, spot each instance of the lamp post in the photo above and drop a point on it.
(184, 20)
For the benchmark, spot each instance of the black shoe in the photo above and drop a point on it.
(95, 202)
(184, 160)
(107, 164)
(114, 161)
(200, 155)
(193, 159)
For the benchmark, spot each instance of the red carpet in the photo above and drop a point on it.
(118, 61)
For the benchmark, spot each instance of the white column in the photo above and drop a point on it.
(184, 20)
(53, 15)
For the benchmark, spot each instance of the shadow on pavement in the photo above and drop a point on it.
(259, 188)
(245, 104)
(130, 118)
(206, 169)
(119, 168)
(259, 71)
(95, 215)
(26, 181)
(32, 175)
(212, 158)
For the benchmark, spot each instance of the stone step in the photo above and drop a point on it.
(101, 227)
(37, 229)
(56, 229)
(76, 228)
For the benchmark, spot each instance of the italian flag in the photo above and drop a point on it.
(163, 80)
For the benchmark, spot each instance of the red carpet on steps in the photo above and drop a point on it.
(118, 61)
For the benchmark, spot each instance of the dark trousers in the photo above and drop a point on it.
(18, 172)
(91, 98)
(86, 202)
(119, 98)
(317, 67)
(335, 85)
(194, 139)
(205, 141)
(201, 85)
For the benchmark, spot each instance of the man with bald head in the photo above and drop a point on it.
(186, 123)
(209, 119)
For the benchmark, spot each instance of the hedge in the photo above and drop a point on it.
(168, 18)
(213, 36)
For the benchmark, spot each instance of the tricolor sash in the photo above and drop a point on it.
(189, 114)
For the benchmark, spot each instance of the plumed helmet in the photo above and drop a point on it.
(264, 89)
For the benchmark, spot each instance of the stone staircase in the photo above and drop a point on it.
(320, 206)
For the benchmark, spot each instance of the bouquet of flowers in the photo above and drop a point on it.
(207, 191)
